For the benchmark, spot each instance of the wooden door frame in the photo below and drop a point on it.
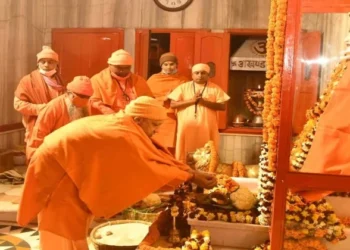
(89, 30)
(5, 128)
(243, 32)
(323, 6)
(176, 30)
(247, 32)
(139, 68)
(139, 60)
(60, 37)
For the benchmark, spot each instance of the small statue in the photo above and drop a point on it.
(174, 236)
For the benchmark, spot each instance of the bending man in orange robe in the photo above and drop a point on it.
(62, 110)
(329, 153)
(115, 86)
(197, 103)
(98, 166)
(161, 85)
(38, 88)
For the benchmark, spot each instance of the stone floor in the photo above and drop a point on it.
(9, 201)
(13, 237)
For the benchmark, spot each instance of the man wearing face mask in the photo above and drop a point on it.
(61, 111)
(197, 103)
(38, 88)
(115, 86)
(98, 166)
(161, 85)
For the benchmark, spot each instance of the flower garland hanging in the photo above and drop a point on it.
(303, 143)
(308, 224)
(250, 103)
(269, 65)
(271, 112)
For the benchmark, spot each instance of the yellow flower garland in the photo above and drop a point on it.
(269, 66)
(303, 143)
(299, 236)
(308, 224)
(274, 113)
(271, 111)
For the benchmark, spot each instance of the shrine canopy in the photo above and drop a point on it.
(251, 56)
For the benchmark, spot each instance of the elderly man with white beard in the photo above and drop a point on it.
(61, 111)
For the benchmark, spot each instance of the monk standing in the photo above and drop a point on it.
(62, 110)
(115, 86)
(38, 88)
(197, 103)
(98, 166)
(161, 85)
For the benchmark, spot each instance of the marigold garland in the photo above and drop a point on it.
(345, 221)
(269, 65)
(271, 111)
(214, 161)
(238, 169)
(251, 104)
(303, 143)
(308, 224)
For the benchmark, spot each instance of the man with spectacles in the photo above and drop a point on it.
(61, 111)
(115, 86)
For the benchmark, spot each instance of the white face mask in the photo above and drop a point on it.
(47, 73)
(167, 72)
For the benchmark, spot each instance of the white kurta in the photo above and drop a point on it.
(193, 131)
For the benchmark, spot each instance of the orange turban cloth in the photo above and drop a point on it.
(167, 57)
(120, 57)
(81, 85)
(146, 107)
(201, 67)
(47, 52)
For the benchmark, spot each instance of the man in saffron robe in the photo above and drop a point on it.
(62, 110)
(98, 166)
(115, 86)
(329, 152)
(38, 88)
(197, 103)
(161, 85)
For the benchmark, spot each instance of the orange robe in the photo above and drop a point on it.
(94, 166)
(54, 116)
(161, 85)
(31, 93)
(195, 131)
(106, 89)
(329, 153)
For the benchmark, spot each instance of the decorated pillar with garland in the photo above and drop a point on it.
(271, 112)
(307, 223)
